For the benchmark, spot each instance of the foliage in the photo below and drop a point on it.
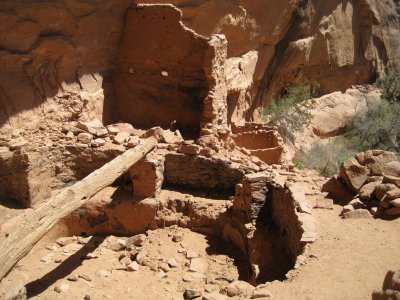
(291, 111)
(390, 85)
(376, 128)
(298, 164)
(379, 128)
(326, 158)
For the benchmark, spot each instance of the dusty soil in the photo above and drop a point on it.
(348, 261)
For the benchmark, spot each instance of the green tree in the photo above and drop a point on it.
(292, 110)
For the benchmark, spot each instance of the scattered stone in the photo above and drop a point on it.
(91, 127)
(90, 256)
(199, 265)
(391, 179)
(214, 296)
(191, 254)
(373, 211)
(165, 267)
(172, 263)
(161, 274)
(116, 244)
(103, 273)
(69, 135)
(69, 128)
(64, 241)
(100, 142)
(133, 141)
(112, 130)
(72, 278)
(300, 198)
(393, 194)
(357, 214)
(261, 292)
(347, 208)
(156, 132)
(17, 143)
(190, 149)
(357, 204)
(367, 190)
(191, 293)
(381, 190)
(194, 277)
(48, 258)
(354, 174)
(101, 132)
(137, 240)
(134, 266)
(85, 277)
(63, 288)
(87, 297)
(125, 261)
(209, 288)
(85, 137)
(178, 237)
(395, 202)
(337, 189)
(238, 288)
(151, 264)
(142, 258)
(324, 203)
(121, 137)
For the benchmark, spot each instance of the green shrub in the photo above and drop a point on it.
(379, 128)
(298, 164)
(291, 111)
(390, 85)
(326, 158)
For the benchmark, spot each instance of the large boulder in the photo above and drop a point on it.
(354, 174)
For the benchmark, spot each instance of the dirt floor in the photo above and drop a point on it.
(348, 261)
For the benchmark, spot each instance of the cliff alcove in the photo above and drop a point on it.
(190, 194)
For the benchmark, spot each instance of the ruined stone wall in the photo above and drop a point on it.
(291, 212)
(261, 141)
(196, 172)
(25, 177)
(159, 78)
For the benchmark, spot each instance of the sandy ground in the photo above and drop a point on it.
(348, 261)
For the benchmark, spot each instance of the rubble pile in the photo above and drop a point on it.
(372, 180)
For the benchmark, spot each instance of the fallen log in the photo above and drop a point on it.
(43, 217)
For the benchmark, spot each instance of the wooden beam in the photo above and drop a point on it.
(43, 217)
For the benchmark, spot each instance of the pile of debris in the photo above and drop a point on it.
(94, 134)
(372, 180)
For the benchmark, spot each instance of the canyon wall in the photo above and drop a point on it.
(115, 60)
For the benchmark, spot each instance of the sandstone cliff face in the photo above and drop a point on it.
(69, 59)
(334, 43)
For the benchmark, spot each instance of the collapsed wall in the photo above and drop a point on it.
(269, 222)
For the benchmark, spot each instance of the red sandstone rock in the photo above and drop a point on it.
(353, 174)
